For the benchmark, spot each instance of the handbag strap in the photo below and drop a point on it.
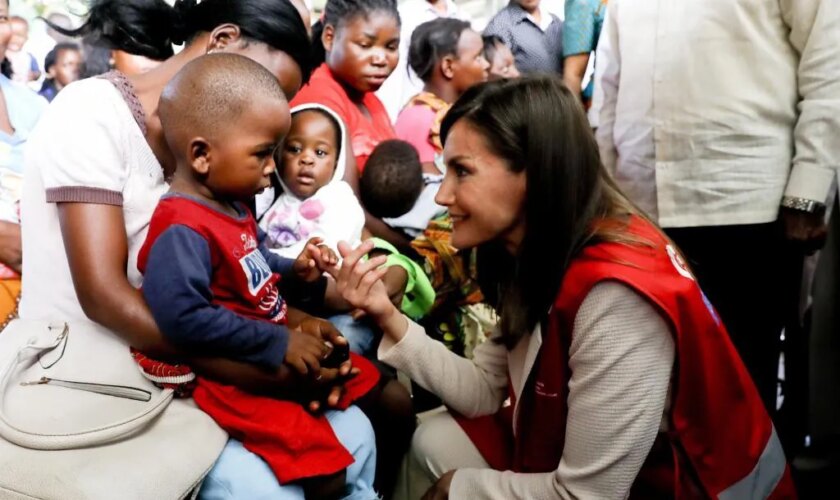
(95, 436)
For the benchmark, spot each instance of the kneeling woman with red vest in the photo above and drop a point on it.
(610, 374)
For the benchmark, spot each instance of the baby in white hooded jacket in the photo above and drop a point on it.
(315, 202)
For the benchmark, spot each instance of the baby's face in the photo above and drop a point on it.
(310, 153)
(241, 162)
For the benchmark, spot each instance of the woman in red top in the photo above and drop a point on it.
(359, 40)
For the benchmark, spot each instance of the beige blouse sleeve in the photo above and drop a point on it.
(472, 388)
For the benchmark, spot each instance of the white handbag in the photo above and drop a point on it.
(78, 420)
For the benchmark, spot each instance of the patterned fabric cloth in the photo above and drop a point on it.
(440, 107)
(453, 278)
(9, 300)
(534, 49)
(582, 29)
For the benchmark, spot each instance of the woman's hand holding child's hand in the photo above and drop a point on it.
(395, 281)
(359, 282)
(315, 259)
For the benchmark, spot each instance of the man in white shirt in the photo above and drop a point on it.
(716, 113)
(403, 84)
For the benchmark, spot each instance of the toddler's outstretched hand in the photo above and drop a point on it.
(315, 259)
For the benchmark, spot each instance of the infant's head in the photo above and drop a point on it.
(392, 180)
(310, 153)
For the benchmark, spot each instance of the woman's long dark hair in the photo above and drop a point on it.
(433, 40)
(97, 60)
(539, 127)
(150, 27)
(337, 12)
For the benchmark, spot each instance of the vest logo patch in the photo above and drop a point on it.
(256, 270)
(678, 262)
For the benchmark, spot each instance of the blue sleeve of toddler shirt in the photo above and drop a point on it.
(176, 287)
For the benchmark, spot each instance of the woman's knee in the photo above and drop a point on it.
(440, 445)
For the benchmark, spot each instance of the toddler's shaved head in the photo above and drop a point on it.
(209, 94)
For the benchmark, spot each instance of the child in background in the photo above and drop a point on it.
(393, 435)
(63, 65)
(315, 202)
(24, 66)
(439, 289)
(212, 285)
(389, 187)
(393, 179)
(502, 63)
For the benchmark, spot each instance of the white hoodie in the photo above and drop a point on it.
(333, 213)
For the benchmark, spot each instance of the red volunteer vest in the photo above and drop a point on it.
(721, 440)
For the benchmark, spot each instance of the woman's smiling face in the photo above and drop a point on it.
(485, 198)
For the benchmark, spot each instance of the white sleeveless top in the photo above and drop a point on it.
(88, 147)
